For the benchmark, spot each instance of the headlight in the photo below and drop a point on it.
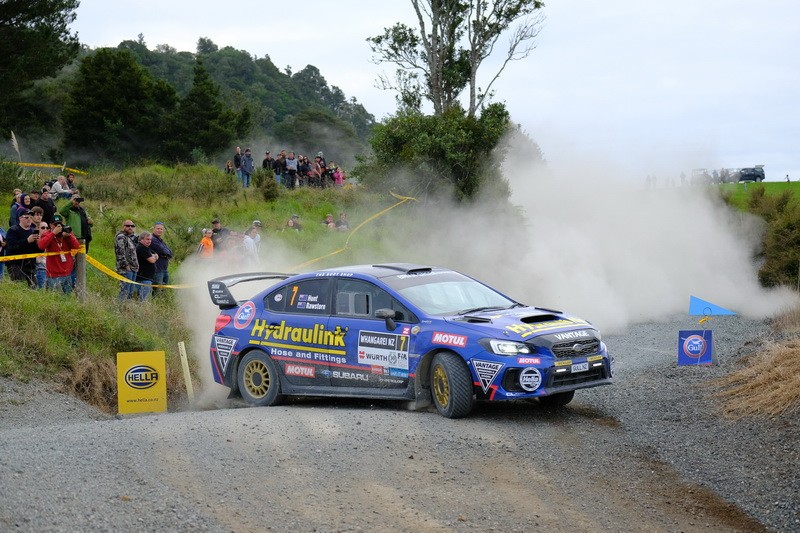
(500, 347)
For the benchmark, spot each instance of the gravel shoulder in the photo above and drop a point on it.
(650, 453)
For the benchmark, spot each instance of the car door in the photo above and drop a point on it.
(376, 356)
(294, 331)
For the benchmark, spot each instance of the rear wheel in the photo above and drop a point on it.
(557, 400)
(258, 379)
(451, 385)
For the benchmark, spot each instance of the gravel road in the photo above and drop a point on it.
(649, 453)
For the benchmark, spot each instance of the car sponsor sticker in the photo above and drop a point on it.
(244, 315)
(301, 371)
(398, 373)
(383, 349)
(572, 335)
(449, 339)
(528, 361)
(346, 374)
(526, 330)
(530, 378)
(224, 347)
(487, 371)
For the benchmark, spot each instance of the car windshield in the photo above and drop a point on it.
(447, 293)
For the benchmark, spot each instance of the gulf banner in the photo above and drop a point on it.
(695, 347)
(141, 382)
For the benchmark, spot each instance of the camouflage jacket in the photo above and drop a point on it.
(125, 250)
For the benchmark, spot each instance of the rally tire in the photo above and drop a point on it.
(557, 400)
(258, 379)
(451, 385)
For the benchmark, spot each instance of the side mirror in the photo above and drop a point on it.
(388, 315)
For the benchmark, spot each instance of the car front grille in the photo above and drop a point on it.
(595, 374)
(579, 348)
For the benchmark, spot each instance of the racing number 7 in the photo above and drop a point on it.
(294, 295)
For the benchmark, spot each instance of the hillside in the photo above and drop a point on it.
(298, 108)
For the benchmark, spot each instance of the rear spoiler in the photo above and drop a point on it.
(221, 295)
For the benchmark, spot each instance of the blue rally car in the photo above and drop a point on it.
(398, 331)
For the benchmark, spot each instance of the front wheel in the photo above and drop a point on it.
(451, 385)
(557, 400)
(258, 379)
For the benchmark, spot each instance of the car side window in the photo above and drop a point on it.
(310, 297)
(360, 299)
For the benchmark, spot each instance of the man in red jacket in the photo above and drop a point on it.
(59, 267)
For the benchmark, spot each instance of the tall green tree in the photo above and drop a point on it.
(450, 44)
(116, 110)
(202, 121)
(429, 155)
(35, 42)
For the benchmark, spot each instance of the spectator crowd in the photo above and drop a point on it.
(48, 225)
(290, 170)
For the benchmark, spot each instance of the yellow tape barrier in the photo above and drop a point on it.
(112, 274)
(46, 165)
(403, 199)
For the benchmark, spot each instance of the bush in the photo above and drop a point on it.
(265, 181)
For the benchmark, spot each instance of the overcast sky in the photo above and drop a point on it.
(638, 87)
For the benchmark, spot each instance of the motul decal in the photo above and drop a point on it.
(301, 371)
(448, 339)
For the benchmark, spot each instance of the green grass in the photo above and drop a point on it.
(738, 194)
(47, 335)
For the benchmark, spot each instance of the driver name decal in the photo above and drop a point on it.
(383, 349)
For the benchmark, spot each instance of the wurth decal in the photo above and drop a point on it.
(225, 347)
(487, 371)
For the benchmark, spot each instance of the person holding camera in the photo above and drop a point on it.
(75, 215)
(21, 239)
(59, 238)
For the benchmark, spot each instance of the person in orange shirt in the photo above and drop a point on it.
(206, 248)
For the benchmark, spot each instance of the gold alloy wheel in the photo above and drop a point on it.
(256, 378)
(441, 386)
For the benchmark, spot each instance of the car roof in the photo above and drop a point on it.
(384, 270)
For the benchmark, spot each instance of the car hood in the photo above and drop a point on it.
(520, 323)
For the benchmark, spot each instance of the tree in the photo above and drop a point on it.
(206, 46)
(453, 39)
(428, 155)
(35, 42)
(202, 120)
(115, 108)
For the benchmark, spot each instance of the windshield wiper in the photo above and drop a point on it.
(476, 309)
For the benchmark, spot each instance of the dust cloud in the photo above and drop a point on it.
(601, 247)
(588, 242)
(201, 313)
